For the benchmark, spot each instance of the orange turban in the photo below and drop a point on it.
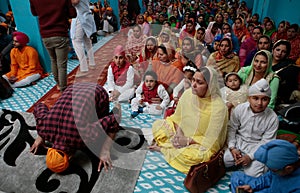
(22, 38)
(109, 9)
(57, 160)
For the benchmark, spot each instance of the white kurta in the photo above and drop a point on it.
(127, 90)
(247, 131)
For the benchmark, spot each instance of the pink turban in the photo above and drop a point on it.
(119, 50)
(22, 38)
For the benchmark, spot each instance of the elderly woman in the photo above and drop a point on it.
(224, 60)
(120, 77)
(168, 74)
(198, 127)
(261, 67)
(285, 69)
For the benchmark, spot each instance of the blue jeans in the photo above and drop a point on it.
(58, 48)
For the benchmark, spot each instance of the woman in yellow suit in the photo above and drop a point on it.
(198, 127)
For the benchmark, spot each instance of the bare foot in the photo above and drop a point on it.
(154, 148)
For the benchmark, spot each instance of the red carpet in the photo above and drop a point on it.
(102, 58)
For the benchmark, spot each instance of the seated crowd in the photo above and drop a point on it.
(226, 74)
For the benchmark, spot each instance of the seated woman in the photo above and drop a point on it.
(285, 69)
(120, 77)
(25, 66)
(148, 53)
(261, 67)
(167, 36)
(224, 60)
(240, 30)
(168, 74)
(135, 43)
(198, 127)
(188, 49)
(263, 43)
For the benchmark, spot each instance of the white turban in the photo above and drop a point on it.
(261, 87)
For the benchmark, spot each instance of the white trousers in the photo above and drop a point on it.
(82, 44)
(124, 96)
(148, 108)
(255, 168)
(24, 82)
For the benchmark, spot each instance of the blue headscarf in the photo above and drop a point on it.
(277, 154)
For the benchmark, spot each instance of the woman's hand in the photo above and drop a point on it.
(37, 143)
(180, 141)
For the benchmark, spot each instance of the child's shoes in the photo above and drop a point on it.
(141, 109)
(134, 114)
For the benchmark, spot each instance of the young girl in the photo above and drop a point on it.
(189, 70)
(234, 93)
(151, 97)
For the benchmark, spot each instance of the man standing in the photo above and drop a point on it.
(54, 26)
(82, 29)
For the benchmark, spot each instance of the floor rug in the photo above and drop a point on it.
(24, 172)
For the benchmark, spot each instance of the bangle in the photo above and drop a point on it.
(188, 141)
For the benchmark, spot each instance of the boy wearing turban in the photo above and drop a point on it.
(25, 66)
(252, 124)
(282, 159)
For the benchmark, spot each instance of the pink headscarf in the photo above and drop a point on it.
(22, 38)
(119, 50)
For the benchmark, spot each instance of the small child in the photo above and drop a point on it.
(234, 93)
(151, 97)
(189, 70)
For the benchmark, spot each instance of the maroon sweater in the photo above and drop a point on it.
(53, 16)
